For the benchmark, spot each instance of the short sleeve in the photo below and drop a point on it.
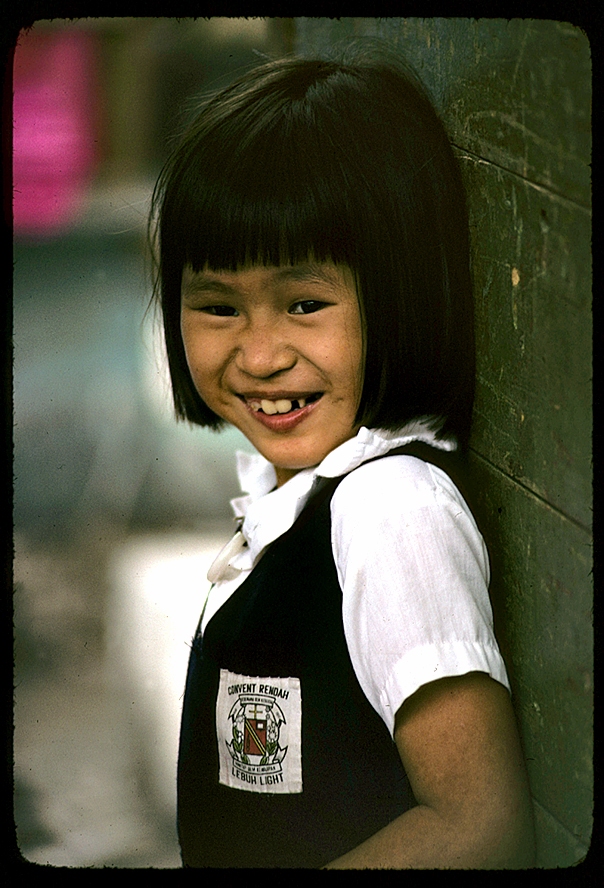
(414, 573)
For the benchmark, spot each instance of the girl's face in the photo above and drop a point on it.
(278, 352)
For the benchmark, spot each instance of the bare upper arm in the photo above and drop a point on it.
(458, 740)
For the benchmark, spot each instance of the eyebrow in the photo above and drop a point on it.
(308, 272)
(202, 283)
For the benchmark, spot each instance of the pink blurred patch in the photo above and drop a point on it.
(55, 140)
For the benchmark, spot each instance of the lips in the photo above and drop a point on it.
(283, 411)
(281, 404)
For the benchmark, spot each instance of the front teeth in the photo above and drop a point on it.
(283, 405)
(272, 407)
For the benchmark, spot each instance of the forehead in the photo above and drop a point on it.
(325, 275)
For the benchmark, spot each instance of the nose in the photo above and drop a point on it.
(262, 349)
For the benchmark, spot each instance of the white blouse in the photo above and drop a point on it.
(411, 562)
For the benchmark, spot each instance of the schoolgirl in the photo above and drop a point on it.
(346, 701)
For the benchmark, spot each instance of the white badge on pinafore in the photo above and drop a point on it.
(259, 731)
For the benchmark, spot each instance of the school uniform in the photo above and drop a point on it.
(345, 590)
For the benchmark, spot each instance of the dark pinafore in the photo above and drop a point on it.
(286, 620)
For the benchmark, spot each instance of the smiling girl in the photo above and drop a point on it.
(346, 701)
(278, 353)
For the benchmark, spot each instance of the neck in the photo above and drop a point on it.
(284, 475)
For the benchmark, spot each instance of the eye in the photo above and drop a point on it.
(221, 311)
(308, 306)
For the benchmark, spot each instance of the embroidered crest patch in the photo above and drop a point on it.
(259, 732)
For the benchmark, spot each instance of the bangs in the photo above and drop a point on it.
(275, 199)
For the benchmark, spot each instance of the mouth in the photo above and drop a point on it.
(282, 414)
(281, 406)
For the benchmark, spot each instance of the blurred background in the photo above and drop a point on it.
(118, 510)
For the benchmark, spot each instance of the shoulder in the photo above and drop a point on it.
(402, 504)
(394, 484)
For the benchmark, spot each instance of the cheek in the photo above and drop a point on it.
(355, 355)
(199, 355)
(188, 340)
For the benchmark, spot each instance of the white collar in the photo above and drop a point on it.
(268, 511)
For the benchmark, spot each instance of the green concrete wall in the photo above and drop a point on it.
(516, 98)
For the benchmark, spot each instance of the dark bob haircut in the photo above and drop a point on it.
(346, 162)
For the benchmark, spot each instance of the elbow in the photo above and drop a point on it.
(515, 851)
(507, 839)
(521, 852)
